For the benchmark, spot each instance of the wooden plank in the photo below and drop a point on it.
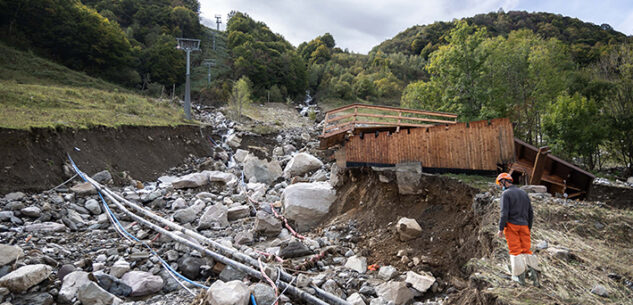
(385, 116)
(539, 165)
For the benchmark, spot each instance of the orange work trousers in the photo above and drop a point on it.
(518, 238)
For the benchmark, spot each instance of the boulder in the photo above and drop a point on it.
(189, 214)
(408, 229)
(244, 238)
(387, 272)
(231, 274)
(103, 177)
(408, 177)
(267, 224)
(332, 287)
(263, 293)
(293, 249)
(629, 180)
(238, 212)
(111, 284)
(119, 268)
(71, 284)
(240, 155)
(559, 253)
(25, 277)
(230, 293)
(396, 292)
(355, 299)
(142, 283)
(93, 206)
(65, 270)
(190, 267)
(357, 263)
(420, 282)
(191, 181)
(228, 179)
(33, 212)
(92, 294)
(14, 196)
(84, 188)
(8, 254)
(262, 170)
(307, 203)
(233, 140)
(300, 164)
(214, 215)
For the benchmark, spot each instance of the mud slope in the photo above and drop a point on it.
(33, 160)
(443, 210)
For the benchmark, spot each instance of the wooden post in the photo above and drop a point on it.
(327, 115)
(539, 165)
(399, 120)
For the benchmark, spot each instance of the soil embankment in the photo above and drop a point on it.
(33, 160)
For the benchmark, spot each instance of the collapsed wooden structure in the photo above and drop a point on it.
(369, 135)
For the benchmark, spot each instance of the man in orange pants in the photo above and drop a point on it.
(516, 222)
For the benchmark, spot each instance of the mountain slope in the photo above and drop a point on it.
(586, 40)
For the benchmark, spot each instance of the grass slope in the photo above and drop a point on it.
(35, 92)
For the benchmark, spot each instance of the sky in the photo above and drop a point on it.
(359, 25)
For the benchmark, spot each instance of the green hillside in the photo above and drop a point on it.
(35, 92)
(586, 40)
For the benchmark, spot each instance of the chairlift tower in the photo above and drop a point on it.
(188, 45)
(218, 21)
(209, 63)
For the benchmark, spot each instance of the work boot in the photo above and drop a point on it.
(519, 279)
(534, 275)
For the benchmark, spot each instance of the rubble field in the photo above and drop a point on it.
(374, 236)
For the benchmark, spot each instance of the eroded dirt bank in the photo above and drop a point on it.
(33, 160)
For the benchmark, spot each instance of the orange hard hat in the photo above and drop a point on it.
(505, 176)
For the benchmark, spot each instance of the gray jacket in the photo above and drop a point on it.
(516, 208)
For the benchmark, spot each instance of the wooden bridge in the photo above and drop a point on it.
(368, 135)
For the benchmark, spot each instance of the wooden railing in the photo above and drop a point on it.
(350, 117)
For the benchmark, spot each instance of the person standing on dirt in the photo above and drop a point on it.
(515, 223)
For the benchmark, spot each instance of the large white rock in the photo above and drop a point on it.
(387, 272)
(215, 214)
(92, 294)
(300, 164)
(9, 254)
(93, 206)
(231, 293)
(240, 155)
(25, 277)
(396, 292)
(307, 203)
(421, 282)
(217, 176)
(72, 282)
(191, 180)
(357, 263)
(142, 283)
(408, 229)
(408, 177)
(355, 299)
(262, 170)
